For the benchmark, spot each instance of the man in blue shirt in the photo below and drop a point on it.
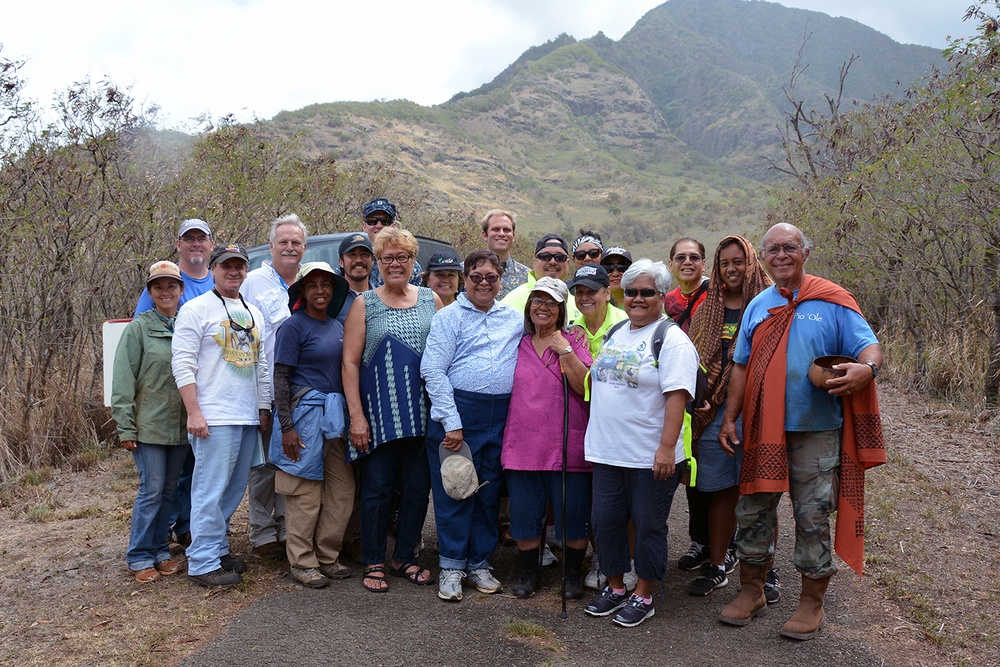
(795, 437)
(194, 247)
(381, 213)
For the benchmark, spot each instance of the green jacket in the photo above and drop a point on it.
(144, 397)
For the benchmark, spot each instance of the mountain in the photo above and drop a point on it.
(646, 138)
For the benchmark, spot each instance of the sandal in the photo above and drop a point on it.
(370, 573)
(413, 576)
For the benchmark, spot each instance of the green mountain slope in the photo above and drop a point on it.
(656, 135)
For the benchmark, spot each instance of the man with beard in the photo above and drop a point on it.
(356, 262)
(267, 288)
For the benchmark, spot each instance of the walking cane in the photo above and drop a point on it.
(565, 445)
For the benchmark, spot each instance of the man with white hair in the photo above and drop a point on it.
(267, 288)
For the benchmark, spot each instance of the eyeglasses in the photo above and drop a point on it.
(233, 324)
(387, 260)
(548, 303)
(490, 278)
(191, 240)
(694, 257)
(788, 248)
(548, 257)
(581, 255)
(612, 267)
(646, 293)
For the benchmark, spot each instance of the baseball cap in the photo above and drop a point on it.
(446, 260)
(355, 241)
(593, 276)
(193, 223)
(228, 251)
(551, 286)
(164, 269)
(551, 240)
(616, 251)
(380, 204)
(458, 472)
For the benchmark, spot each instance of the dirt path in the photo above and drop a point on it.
(929, 597)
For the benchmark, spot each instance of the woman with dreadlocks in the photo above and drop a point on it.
(737, 277)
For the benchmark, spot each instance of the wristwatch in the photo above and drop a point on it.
(872, 365)
(568, 350)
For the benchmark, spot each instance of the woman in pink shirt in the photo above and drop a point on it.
(532, 442)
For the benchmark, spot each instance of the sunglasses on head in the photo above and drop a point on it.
(581, 255)
(548, 257)
(646, 293)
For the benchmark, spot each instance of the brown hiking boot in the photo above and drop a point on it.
(807, 620)
(751, 602)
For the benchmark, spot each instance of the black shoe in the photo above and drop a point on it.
(731, 560)
(634, 613)
(231, 564)
(772, 587)
(271, 550)
(696, 555)
(217, 579)
(607, 603)
(574, 572)
(708, 580)
(526, 584)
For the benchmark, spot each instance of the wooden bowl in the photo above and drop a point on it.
(822, 370)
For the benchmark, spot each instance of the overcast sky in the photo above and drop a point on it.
(258, 57)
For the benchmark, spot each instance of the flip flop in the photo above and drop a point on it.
(414, 576)
(370, 571)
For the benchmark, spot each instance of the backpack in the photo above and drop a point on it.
(700, 388)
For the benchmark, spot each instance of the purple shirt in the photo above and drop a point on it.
(532, 439)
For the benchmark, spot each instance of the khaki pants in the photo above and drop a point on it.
(317, 511)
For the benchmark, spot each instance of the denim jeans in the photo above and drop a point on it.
(221, 469)
(467, 529)
(159, 467)
(397, 465)
(623, 494)
(180, 515)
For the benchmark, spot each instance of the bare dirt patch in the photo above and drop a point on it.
(929, 595)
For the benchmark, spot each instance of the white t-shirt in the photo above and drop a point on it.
(228, 366)
(628, 395)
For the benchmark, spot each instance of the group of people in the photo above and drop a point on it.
(573, 396)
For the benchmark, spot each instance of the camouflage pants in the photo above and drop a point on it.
(813, 478)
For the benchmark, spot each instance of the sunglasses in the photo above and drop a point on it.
(581, 255)
(611, 267)
(646, 293)
(490, 278)
(548, 257)
(694, 257)
(233, 324)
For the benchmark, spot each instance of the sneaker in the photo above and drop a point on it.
(696, 555)
(607, 603)
(450, 585)
(772, 586)
(710, 578)
(309, 577)
(731, 560)
(630, 577)
(594, 578)
(483, 580)
(335, 570)
(548, 558)
(232, 564)
(217, 579)
(634, 613)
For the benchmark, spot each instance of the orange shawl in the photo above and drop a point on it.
(765, 462)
